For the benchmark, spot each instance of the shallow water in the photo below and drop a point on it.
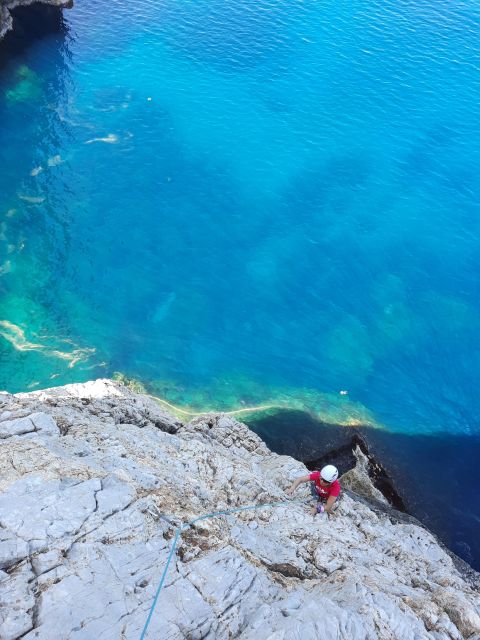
(239, 202)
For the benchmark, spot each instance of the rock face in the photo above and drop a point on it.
(358, 480)
(6, 22)
(93, 481)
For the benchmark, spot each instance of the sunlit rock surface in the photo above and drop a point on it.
(93, 480)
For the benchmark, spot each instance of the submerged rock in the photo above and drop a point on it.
(27, 87)
(94, 479)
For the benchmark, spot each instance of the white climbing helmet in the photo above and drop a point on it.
(329, 473)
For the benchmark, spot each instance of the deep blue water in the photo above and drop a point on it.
(242, 201)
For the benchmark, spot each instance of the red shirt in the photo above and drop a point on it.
(325, 492)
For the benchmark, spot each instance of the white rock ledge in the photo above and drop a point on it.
(92, 475)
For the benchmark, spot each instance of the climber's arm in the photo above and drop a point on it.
(329, 504)
(296, 482)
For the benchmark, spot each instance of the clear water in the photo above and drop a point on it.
(239, 201)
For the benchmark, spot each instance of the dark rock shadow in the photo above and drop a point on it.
(31, 23)
(432, 477)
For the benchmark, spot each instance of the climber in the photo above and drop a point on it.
(325, 488)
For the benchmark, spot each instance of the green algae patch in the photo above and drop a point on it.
(246, 400)
(27, 87)
(393, 320)
(130, 383)
(452, 315)
(349, 349)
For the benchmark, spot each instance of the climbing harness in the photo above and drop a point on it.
(185, 526)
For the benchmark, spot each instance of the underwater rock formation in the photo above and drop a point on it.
(93, 481)
(6, 21)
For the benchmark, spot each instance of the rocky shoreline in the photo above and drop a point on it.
(92, 477)
(7, 9)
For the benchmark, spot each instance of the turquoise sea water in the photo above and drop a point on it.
(247, 200)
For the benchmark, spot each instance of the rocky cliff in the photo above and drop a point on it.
(93, 481)
(6, 22)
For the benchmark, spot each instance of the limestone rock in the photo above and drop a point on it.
(16, 603)
(358, 480)
(34, 423)
(94, 480)
(16, 427)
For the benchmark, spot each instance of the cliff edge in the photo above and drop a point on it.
(6, 21)
(93, 481)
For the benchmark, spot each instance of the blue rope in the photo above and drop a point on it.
(182, 527)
